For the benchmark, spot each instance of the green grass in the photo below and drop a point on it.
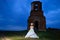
(48, 35)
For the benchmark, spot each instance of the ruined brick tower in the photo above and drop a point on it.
(37, 17)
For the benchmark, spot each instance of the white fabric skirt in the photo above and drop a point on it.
(31, 34)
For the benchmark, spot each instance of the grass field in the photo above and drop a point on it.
(48, 35)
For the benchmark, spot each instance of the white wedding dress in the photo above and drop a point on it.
(31, 33)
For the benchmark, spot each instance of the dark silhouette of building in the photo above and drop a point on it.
(37, 17)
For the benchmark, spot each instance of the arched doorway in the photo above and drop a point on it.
(36, 25)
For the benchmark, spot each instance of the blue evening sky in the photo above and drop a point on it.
(14, 14)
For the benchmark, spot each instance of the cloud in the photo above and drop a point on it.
(52, 17)
(19, 5)
(1, 17)
(13, 27)
(49, 22)
(52, 13)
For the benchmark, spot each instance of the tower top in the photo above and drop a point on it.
(36, 5)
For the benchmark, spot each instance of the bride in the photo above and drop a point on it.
(31, 33)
